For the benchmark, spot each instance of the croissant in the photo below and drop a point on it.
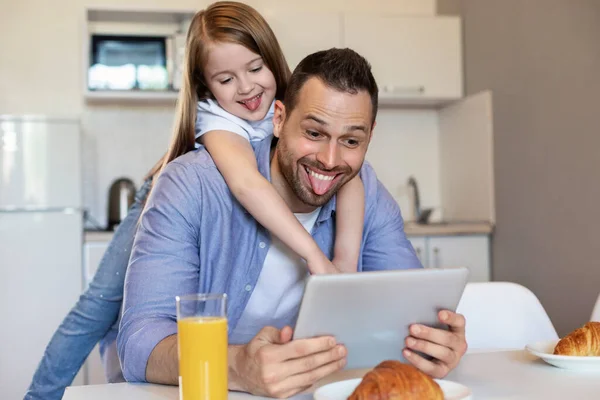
(393, 380)
(584, 341)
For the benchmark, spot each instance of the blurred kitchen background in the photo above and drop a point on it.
(485, 137)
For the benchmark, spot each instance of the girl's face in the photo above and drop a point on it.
(239, 80)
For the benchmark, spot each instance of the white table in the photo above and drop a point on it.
(504, 375)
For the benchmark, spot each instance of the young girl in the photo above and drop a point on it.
(235, 70)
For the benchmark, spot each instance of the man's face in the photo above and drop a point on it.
(323, 141)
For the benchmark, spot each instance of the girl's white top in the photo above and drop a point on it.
(210, 116)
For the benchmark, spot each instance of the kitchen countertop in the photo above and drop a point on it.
(448, 228)
(410, 228)
(97, 236)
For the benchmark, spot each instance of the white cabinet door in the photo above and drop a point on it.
(93, 368)
(419, 243)
(302, 33)
(92, 254)
(414, 59)
(472, 252)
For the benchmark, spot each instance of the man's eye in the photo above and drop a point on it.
(256, 69)
(352, 143)
(225, 81)
(313, 134)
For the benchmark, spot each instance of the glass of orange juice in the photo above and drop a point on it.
(202, 346)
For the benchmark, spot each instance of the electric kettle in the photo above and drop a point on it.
(120, 198)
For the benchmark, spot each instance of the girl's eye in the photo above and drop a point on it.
(256, 69)
(225, 81)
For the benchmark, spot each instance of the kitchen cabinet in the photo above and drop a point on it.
(92, 254)
(302, 33)
(93, 370)
(415, 60)
(419, 243)
(471, 251)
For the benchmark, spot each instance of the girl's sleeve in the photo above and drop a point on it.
(211, 117)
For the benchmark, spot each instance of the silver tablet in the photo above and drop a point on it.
(370, 312)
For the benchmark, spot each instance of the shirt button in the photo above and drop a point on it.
(262, 245)
(248, 288)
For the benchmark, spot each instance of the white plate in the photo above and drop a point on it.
(341, 390)
(545, 349)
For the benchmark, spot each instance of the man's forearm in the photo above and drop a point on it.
(163, 364)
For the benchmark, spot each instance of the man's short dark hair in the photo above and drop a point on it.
(341, 69)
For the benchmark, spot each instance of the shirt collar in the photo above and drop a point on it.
(267, 119)
(262, 149)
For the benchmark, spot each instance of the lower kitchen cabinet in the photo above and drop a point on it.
(93, 370)
(471, 251)
(419, 243)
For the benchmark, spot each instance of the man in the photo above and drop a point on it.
(194, 237)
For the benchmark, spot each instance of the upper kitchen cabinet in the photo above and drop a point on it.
(302, 33)
(416, 60)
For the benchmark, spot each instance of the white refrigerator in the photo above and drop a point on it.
(41, 231)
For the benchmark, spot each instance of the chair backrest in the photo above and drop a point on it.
(596, 311)
(503, 315)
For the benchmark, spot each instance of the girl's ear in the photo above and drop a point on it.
(278, 118)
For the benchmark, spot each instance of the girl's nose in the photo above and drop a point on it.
(245, 86)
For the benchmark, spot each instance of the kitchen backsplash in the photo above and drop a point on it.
(121, 141)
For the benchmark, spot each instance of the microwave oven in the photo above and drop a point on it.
(134, 62)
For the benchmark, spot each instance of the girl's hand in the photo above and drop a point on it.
(344, 266)
(320, 264)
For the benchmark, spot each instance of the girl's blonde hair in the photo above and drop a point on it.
(224, 21)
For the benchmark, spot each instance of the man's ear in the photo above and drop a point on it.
(372, 130)
(278, 118)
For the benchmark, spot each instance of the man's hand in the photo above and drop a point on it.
(273, 365)
(446, 347)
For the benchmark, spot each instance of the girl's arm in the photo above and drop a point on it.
(350, 212)
(236, 161)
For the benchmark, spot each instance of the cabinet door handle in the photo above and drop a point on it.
(436, 257)
(419, 89)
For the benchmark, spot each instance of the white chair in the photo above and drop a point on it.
(596, 311)
(502, 316)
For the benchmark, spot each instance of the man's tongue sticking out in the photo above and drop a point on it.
(320, 183)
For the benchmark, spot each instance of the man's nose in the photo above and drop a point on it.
(245, 85)
(329, 155)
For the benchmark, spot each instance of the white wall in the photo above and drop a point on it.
(127, 142)
(41, 73)
(120, 142)
(406, 142)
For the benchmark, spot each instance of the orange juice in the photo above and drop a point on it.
(202, 346)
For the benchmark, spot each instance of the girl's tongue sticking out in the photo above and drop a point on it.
(252, 103)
